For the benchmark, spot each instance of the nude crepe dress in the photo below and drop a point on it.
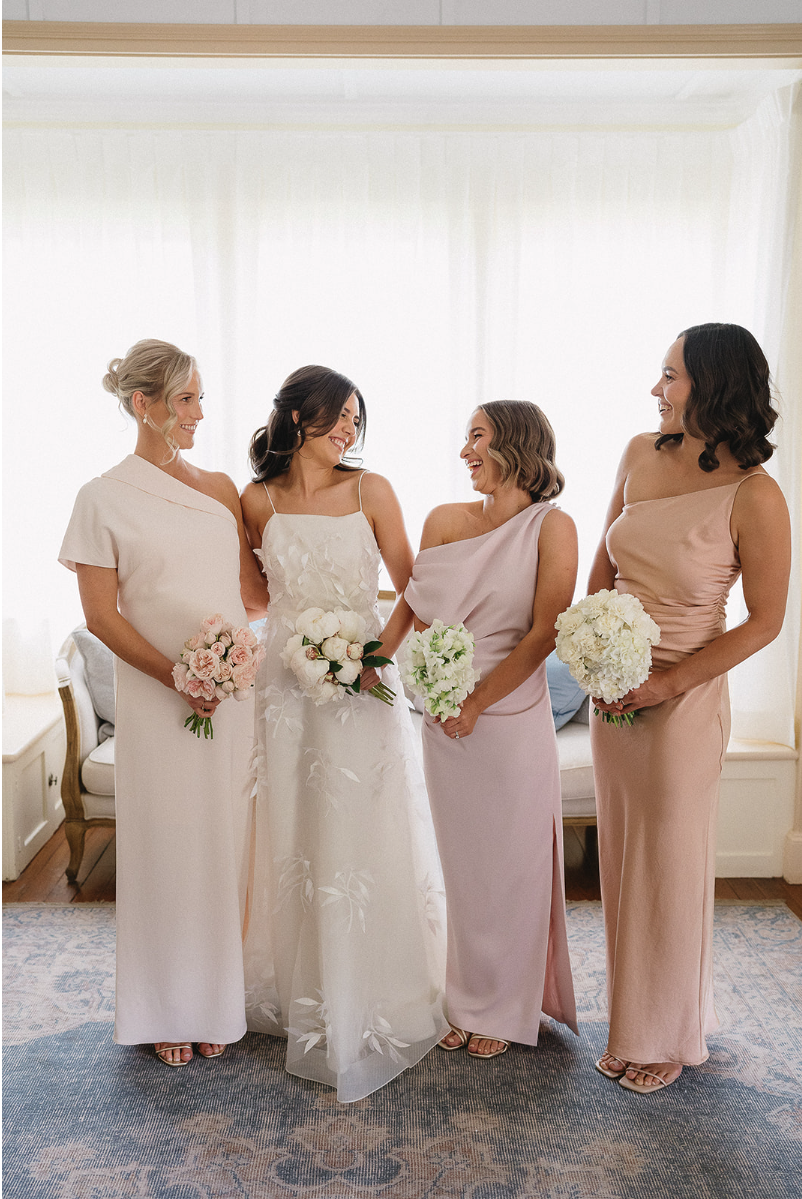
(182, 803)
(657, 785)
(495, 797)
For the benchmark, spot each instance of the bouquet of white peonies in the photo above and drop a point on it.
(606, 642)
(438, 667)
(327, 654)
(219, 662)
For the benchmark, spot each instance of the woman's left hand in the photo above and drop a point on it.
(462, 725)
(655, 690)
(368, 679)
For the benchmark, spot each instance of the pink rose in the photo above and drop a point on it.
(195, 642)
(203, 663)
(223, 672)
(244, 676)
(200, 688)
(212, 624)
(240, 655)
(224, 639)
(180, 675)
(244, 636)
(220, 693)
(218, 648)
(227, 687)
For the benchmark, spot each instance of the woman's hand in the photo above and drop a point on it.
(657, 688)
(462, 725)
(369, 678)
(201, 707)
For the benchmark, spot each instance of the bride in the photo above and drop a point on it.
(345, 948)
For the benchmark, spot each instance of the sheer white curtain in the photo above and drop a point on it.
(436, 269)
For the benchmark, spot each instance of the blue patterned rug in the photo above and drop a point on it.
(86, 1119)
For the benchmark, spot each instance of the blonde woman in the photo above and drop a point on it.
(158, 545)
(504, 565)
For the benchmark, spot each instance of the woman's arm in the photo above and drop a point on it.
(98, 587)
(253, 586)
(556, 579)
(602, 572)
(761, 530)
(383, 510)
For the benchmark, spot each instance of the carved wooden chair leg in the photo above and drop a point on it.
(76, 834)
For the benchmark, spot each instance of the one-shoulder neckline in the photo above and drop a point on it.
(166, 486)
(481, 536)
(661, 499)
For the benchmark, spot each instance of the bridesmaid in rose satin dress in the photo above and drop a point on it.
(506, 567)
(692, 509)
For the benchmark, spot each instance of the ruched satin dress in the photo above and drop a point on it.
(495, 797)
(657, 784)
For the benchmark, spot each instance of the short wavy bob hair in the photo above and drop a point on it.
(523, 445)
(730, 398)
(318, 394)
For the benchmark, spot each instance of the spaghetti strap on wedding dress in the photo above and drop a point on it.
(345, 948)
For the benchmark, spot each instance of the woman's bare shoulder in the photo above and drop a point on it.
(448, 522)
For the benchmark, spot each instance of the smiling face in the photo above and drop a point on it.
(341, 436)
(188, 411)
(673, 390)
(485, 472)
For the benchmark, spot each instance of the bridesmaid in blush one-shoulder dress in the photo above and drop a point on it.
(691, 511)
(505, 567)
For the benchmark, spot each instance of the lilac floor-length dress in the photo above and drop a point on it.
(495, 797)
(657, 785)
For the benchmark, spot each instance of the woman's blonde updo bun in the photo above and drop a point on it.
(156, 368)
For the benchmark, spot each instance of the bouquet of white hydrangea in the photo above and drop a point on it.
(327, 654)
(438, 667)
(606, 642)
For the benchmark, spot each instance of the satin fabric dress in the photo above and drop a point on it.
(345, 949)
(495, 797)
(657, 785)
(182, 803)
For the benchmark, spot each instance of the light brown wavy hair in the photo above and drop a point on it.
(524, 446)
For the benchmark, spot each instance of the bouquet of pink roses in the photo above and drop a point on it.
(219, 662)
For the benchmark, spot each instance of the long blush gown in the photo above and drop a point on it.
(182, 804)
(495, 797)
(345, 949)
(657, 785)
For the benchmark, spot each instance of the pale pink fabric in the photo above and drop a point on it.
(657, 785)
(183, 805)
(495, 797)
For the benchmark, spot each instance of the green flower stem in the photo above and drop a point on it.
(199, 725)
(618, 719)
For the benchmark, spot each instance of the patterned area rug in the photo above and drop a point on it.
(86, 1119)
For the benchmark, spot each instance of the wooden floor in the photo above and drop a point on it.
(44, 880)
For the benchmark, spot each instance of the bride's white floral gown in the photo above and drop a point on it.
(345, 945)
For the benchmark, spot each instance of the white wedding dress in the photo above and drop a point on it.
(345, 946)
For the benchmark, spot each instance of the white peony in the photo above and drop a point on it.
(349, 672)
(293, 645)
(335, 649)
(316, 625)
(352, 625)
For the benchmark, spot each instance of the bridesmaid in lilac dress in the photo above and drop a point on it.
(505, 566)
(692, 509)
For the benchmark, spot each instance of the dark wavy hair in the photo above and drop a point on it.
(318, 395)
(523, 445)
(730, 398)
